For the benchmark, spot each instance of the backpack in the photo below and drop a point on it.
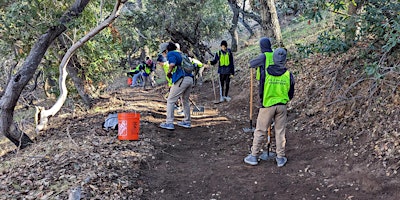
(111, 122)
(187, 65)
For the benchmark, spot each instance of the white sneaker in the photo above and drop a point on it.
(222, 99)
(227, 98)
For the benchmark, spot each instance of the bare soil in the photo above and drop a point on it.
(328, 158)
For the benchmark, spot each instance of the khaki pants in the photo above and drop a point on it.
(264, 120)
(183, 87)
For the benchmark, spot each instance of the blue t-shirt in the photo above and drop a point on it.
(176, 58)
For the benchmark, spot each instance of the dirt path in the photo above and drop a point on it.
(206, 162)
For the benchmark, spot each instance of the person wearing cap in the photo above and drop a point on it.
(162, 62)
(181, 86)
(226, 69)
(278, 89)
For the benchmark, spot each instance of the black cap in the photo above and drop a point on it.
(224, 43)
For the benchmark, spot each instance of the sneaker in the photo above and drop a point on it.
(184, 124)
(281, 161)
(222, 99)
(266, 156)
(227, 98)
(251, 160)
(169, 126)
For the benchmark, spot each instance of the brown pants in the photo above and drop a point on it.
(264, 120)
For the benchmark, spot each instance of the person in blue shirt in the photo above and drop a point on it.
(226, 69)
(181, 86)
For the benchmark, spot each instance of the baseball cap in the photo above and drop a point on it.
(163, 47)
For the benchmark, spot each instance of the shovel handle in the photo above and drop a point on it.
(251, 94)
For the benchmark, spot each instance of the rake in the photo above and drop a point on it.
(197, 110)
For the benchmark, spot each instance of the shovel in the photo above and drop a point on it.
(251, 128)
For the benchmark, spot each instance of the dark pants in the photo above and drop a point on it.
(225, 80)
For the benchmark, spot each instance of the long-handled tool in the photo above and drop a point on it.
(269, 141)
(212, 80)
(251, 128)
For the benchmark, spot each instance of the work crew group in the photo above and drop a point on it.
(276, 89)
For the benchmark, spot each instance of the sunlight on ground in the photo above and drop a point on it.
(6, 146)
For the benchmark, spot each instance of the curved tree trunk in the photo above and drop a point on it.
(247, 26)
(73, 67)
(44, 115)
(21, 78)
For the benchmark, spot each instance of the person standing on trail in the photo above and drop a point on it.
(162, 61)
(198, 71)
(181, 86)
(278, 90)
(267, 56)
(226, 69)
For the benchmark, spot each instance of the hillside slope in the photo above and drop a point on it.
(342, 142)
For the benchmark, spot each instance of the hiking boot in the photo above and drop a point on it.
(222, 99)
(281, 161)
(184, 124)
(227, 98)
(251, 160)
(266, 156)
(169, 126)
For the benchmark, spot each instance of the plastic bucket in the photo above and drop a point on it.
(128, 126)
(129, 81)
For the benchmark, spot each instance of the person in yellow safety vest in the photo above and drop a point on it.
(162, 62)
(136, 74)
(226, 69)
(148, 74)
(198, 71)
(278, 90)
(265, 46)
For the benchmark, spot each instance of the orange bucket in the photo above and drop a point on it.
(129, 81)
(128, 126)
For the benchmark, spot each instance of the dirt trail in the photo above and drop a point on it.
(206, 162)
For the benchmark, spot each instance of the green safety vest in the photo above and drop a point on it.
(269, 60)
(136, 69)
(223, 59)
(166, 68)
(276, 89)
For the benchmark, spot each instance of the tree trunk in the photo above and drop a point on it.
(352, 26)
(275, 22)
(267, 27)
(232, 30)
(21, 78)
(44, 115)
(247, 26)
(73, 67)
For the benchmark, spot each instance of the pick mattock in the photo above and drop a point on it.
(251, 128)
